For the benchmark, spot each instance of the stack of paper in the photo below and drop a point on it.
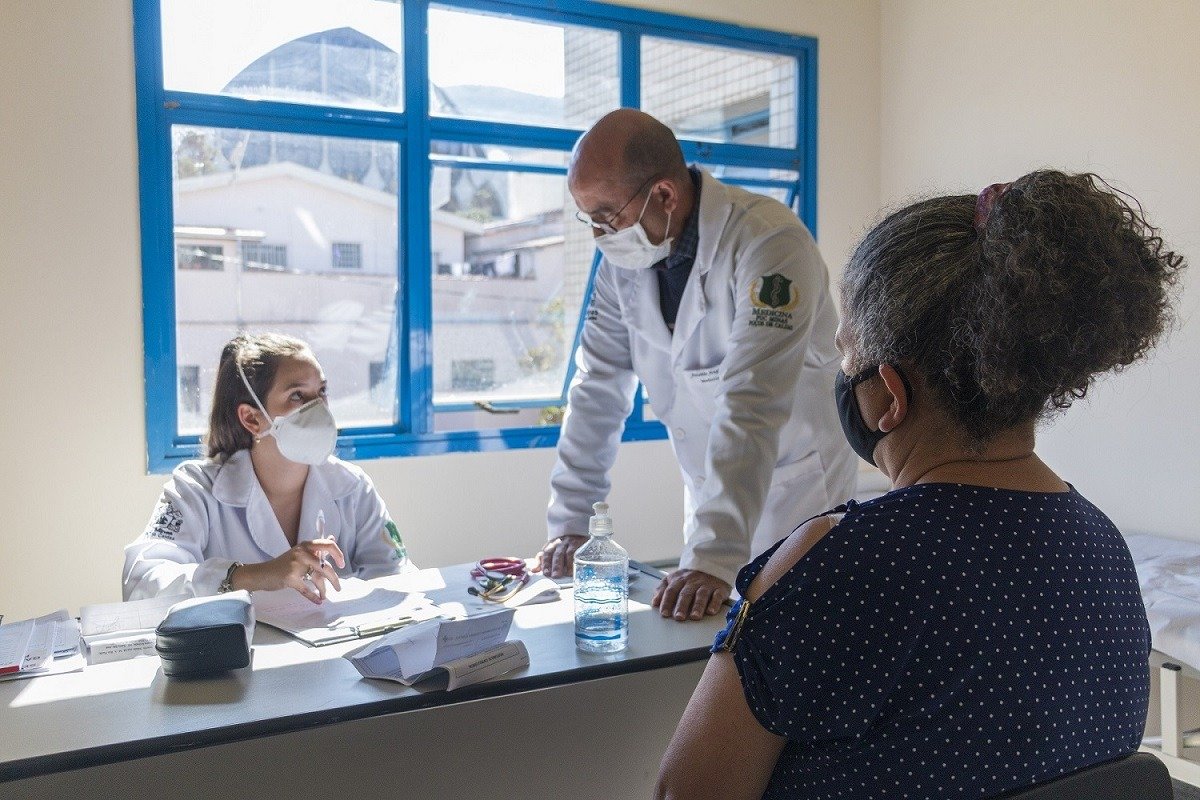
(48, 645)
(467, 650)
(115, 631)
(361, 609)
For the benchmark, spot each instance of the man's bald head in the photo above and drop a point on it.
(626, 148)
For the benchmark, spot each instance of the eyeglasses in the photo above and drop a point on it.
(606, 226)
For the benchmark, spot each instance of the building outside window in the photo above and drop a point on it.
(257, 255)
(472, 375)
(199, 256)
(189, 388)
(347, 255)
(335, 162)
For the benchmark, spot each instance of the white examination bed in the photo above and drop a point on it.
(1169, 574)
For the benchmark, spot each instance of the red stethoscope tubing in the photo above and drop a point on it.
(500, 566)
(498, 578)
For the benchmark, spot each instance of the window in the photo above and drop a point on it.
(256, 255)
(189, 389)
(384, 179)
(347, 255)
(473, 374)
(199, 256)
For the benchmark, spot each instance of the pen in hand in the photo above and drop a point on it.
(321, 535)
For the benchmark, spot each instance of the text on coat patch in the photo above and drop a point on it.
(773, 298)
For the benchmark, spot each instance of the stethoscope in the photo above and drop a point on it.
(498, 578)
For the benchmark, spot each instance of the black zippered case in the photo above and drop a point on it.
(206, 636)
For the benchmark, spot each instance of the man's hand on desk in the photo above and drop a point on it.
(690, 594)
(557, 558)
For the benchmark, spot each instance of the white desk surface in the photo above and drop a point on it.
(129, 709)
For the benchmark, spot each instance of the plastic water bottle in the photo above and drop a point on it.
(601, 588)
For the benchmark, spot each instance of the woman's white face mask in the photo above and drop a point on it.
(306, 435)
(630, 248)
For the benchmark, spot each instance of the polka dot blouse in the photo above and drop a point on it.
(947, 641)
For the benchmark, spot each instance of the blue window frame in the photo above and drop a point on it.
(732, 147)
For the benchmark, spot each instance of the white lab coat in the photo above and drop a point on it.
(744, 386)
(212, 514)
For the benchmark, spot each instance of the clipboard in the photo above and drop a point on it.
(359, 611)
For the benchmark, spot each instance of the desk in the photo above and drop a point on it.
(302, 717)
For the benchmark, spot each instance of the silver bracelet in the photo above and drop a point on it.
(227, 584)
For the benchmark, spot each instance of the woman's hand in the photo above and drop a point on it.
(300, 568)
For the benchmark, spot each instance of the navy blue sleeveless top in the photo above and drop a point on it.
(947, 641)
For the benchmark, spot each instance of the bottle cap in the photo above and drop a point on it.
(601, 523)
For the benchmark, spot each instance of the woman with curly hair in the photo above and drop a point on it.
(979, 628)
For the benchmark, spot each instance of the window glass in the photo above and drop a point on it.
(288, 218)
(508, 280)
(189, 388)
(190, 255)
(745, 177)
(274, 217)
(332, 52)
(728, 173)
(347, 255)
(514, 70)
(720, 94)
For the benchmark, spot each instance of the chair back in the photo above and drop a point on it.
(1138, 776)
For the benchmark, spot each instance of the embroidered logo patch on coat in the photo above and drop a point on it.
(773, 298)
(165, 522)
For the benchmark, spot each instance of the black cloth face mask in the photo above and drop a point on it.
(862, 439)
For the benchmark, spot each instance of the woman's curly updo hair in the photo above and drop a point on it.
(260, 355)
(1013, 315)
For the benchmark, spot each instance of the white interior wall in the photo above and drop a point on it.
(977, 93)
(71, 393)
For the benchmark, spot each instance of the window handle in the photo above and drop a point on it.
(486, 405)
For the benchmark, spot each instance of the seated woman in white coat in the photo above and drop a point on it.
(270, 507)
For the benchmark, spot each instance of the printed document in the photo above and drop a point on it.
(116, 631)
(47, 645)
(360, 609)
(468, 650)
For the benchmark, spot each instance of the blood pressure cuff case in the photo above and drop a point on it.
(206, 635)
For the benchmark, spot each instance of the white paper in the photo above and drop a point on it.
(489, 664)
(33, 647)
(66, 637)
(40, 648)
(14, 641)
(543, 590)
(117, 648)
(122, 619)
(504, 657)
(409, 654)
(57, 666)
(359, 606)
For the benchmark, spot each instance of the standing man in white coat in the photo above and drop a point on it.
(718, 301)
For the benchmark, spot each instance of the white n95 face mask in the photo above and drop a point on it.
(306, 435)
(630, 248)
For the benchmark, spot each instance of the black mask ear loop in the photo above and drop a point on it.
(862, 439)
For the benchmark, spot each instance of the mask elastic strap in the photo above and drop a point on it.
(645, 205)
(241, 372)
(666, 233)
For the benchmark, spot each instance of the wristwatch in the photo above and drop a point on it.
(227, 584)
